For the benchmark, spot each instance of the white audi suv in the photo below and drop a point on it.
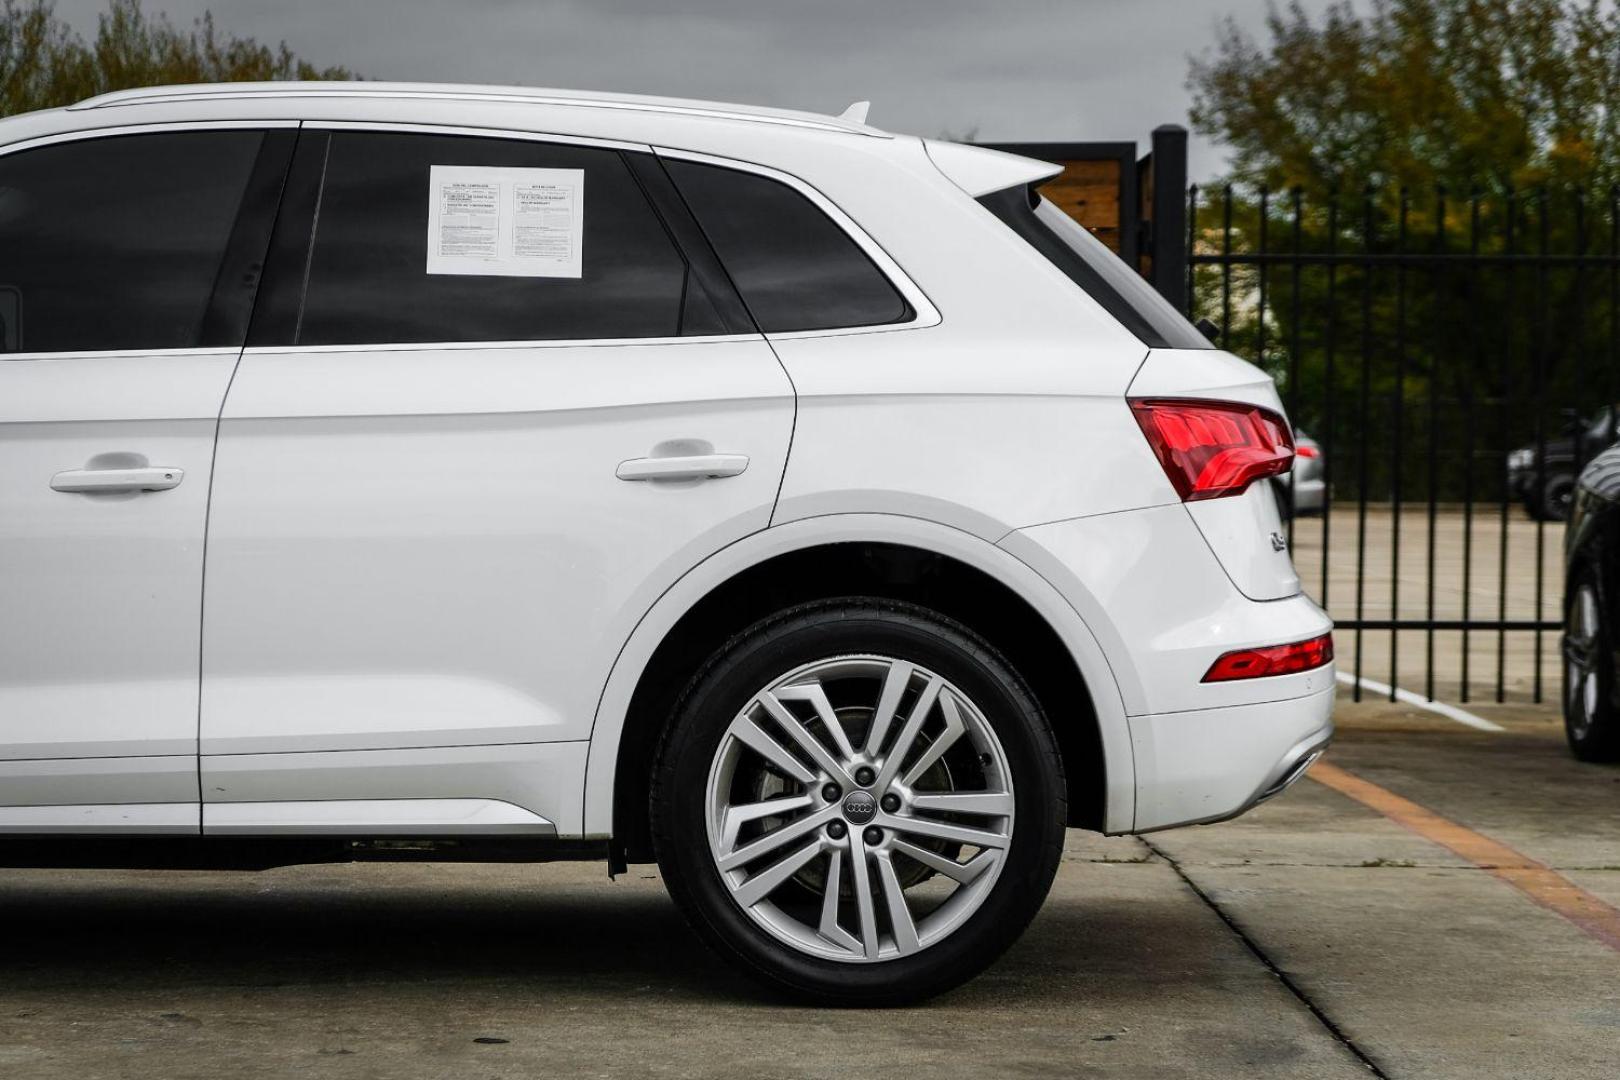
(394, 471)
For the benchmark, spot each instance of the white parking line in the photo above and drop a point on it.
(1450, 712)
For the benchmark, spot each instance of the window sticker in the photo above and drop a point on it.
(506, 222)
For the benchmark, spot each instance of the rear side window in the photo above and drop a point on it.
(611, 271)
(794, 266)
(1089, 264)
(116, 243)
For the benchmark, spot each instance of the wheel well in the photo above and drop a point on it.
(892, 571)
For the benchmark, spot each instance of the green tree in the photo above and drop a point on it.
(1396, 131)
(1419, 93)
(44, 63)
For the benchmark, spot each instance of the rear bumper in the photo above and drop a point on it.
(1162, 609)
(1208, 765)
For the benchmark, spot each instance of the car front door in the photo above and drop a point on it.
(127, 269)
(499, 402)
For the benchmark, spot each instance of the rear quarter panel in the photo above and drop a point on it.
(1244, 531)
(1008, 412)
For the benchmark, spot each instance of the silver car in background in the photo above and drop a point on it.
(1307, 478)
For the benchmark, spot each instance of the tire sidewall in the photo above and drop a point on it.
(1553, 494)
(756, 659)
(1601, 740)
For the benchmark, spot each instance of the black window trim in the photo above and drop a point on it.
(117, 130)
(270, 335)
(1016, 208)
(242, 268)
(687, 235)
(923, 312)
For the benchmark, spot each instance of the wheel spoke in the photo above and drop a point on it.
(894, 688)
(751, 735)
(991, 803)
(816, 695)
(963, 872)
(773, 840)
(941, 830)
(1580, 697)
(954, 729)
(1589, 614)
(900, 921)
(762, 884)
(908, 734)
(865, 909)
(738, 816)
(829, 927)
(807, 742)
(813, 881)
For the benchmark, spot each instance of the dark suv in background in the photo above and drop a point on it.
(1547, 487)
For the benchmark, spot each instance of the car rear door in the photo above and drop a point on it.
(128, 263)
(501, 401)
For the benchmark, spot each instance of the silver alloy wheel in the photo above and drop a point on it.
(859, 808)
(1580, 666)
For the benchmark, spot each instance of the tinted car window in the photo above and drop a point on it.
(368, 272)
(1088, 263)
(116, 243)
(795, 268)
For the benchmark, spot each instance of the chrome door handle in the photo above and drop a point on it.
(108, 481)
(692, 467)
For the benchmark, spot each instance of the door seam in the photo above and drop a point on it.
(213, 461)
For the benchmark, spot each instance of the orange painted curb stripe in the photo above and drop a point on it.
(1539, 882)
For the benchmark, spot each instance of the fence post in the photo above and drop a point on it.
(1169, 231)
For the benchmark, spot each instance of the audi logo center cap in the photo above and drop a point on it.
(860, 807)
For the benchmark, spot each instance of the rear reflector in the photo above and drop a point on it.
(1273, 660)
(1214, 448)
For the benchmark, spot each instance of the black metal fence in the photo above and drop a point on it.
(1426, 342)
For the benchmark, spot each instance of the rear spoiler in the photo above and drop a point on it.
(978, 171)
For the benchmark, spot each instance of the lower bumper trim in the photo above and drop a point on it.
(1299, 769)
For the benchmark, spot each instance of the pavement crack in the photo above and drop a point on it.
(1270, 965)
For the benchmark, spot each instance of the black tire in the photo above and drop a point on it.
(1552, 503)
(1590, 721)
(765, 651)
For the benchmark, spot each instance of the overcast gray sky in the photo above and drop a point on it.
(1013, 70)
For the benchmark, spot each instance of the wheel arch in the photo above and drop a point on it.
(900, 558)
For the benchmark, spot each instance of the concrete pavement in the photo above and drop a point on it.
(1467, 582)
(1312, 938)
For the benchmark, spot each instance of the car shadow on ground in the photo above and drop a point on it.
(251, 930)
(324, 927)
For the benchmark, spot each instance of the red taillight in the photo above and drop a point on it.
(1306, 451)
(1214, 448)
(1273, 660)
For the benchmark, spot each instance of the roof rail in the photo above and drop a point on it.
(153, 95)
